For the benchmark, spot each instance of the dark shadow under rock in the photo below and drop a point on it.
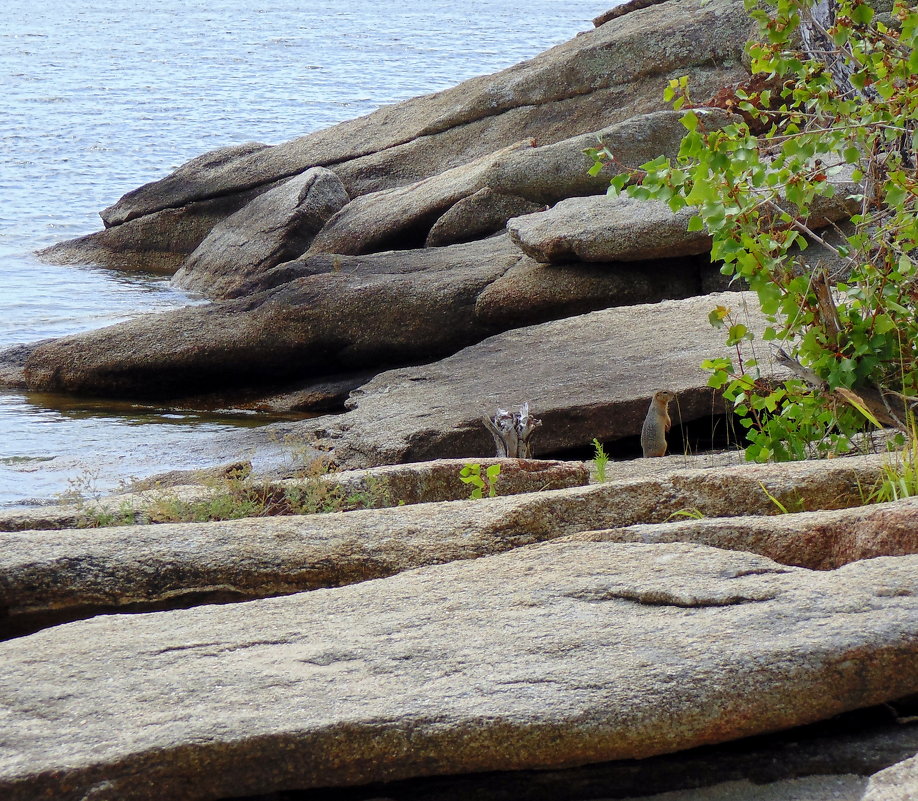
(855, 744)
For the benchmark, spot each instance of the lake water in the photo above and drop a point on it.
(99, 98)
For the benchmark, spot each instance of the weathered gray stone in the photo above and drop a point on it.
(476, 216)
(13, 361)
(821, 540)
(896, 783)
(46, 577)
(597, 79)
(402, 216)
(276, 226)
(624, 8)
(625, 229)
(584, 377)
(607, 229)
(158, 242)
(341, 315)
(832, 755)
(328, 314)
(531, 292)
(551, 656)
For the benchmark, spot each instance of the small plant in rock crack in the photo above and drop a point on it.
(471, 474)
(693, 514)
(600, 460)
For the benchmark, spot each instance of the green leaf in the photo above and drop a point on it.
(696, 223)
(862, 14)
(718, 315)
(690, 120)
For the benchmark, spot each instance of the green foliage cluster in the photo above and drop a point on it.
(471, 474)
(841, 125)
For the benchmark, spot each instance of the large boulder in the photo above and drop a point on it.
(404, 216)
(328, 314)
(551, 656)
(599, 78)
(587, 376)
(276, 226)
(339, 315)
(623, 228)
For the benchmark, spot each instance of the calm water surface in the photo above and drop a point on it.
(98, 98)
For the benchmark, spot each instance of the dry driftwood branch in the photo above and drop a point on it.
(887, 407)
(512, 432)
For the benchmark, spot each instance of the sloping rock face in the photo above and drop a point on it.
(550, 656)
(330, 314)
(277, 226)
(585, 377)
(597, 79)
(341, 315)
(160, 241)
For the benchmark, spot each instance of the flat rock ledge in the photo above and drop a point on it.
(585, 377)
(51, 576)
(557, 655)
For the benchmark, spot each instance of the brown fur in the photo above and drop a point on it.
(656, 424)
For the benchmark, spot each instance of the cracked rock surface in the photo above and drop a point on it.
(535, 658)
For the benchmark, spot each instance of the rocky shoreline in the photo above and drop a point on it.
(661, 628)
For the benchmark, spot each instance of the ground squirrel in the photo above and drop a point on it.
(656, 424)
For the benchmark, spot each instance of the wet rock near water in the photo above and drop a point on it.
(330, 314)
(551, 656)
(158, 242)
(340, 315)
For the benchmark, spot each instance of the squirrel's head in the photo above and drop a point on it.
(663, 396)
